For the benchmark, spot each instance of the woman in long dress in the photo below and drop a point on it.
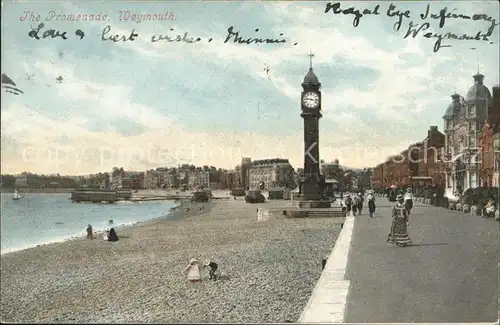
(193, 271)
(371, 203)
(400, 220)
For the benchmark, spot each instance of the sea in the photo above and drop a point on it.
(40, 218)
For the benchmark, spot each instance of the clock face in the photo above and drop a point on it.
(310, 100)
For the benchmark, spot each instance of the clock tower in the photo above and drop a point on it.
(311, 192)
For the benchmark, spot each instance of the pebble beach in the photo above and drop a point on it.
(267, 270)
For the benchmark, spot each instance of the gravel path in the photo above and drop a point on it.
(268, 270)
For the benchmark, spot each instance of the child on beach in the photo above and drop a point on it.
(90, 233)
(213, 267)
(193, 271)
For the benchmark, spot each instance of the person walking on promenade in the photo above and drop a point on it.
(361, 200)
(400, 221)
(348, 204)
(371, 203)
(408, 197)
(355, 203)
(392, 195)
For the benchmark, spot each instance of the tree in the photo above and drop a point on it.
(8, 181)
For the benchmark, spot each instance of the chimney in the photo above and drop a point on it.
(478, 78)
(432, 129)
(496, 91)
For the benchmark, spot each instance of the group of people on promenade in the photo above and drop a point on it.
(355, 203)
(400, 212)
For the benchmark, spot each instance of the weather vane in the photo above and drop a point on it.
(310, 59)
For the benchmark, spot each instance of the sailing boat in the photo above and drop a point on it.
(16, 196)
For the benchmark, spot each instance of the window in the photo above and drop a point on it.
(472, 111)
(472, 140)
(473, 180)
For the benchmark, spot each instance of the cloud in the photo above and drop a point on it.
(212, 103)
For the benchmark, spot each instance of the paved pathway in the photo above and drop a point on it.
(450, 274)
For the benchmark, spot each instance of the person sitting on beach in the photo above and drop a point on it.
(112, 235)
(193, 271)
(90, 233)
(213, 267)
(489, 209)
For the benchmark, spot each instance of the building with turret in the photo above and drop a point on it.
(463, 124)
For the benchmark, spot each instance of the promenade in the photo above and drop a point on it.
(449, 274)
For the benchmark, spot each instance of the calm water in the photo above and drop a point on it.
(45, 218)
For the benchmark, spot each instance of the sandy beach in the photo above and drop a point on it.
(267, 270)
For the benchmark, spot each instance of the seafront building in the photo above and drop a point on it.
(489, 143)
(199, 178)
(271, 173)
(464, 121)
(461, 158)
(418, 165)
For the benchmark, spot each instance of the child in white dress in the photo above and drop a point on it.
(193, 271)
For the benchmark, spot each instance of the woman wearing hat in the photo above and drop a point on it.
(399, 228)
(408, 197)
(371, 203)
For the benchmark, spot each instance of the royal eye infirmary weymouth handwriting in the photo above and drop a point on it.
(415, 29)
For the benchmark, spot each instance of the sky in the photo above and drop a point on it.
(142, 105)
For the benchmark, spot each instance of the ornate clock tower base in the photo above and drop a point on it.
(312, 196)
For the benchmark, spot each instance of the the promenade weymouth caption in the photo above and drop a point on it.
(123, 15)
